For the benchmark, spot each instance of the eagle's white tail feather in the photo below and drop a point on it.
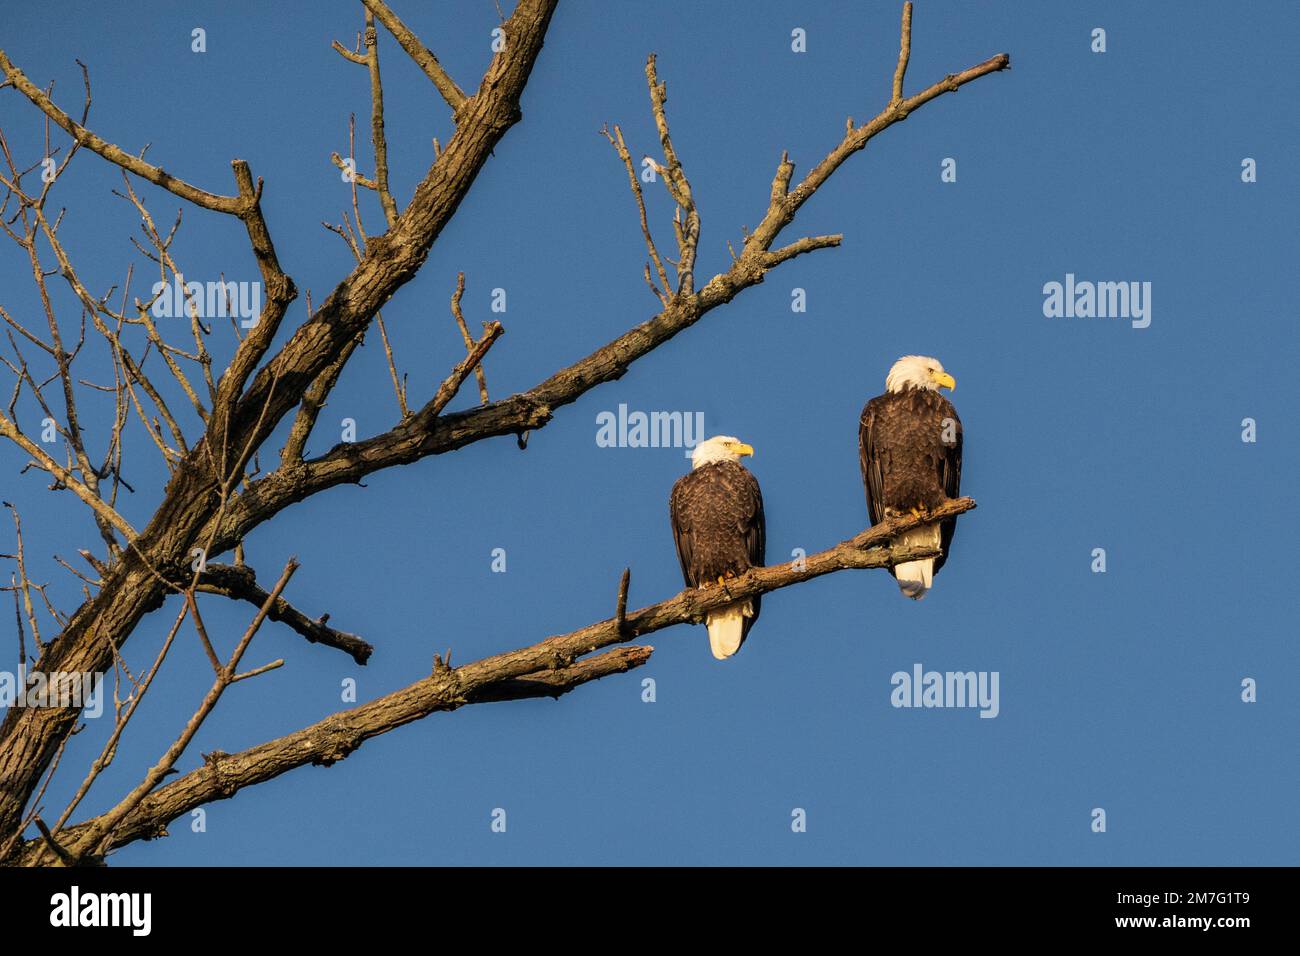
(916, 577)
(727, 628)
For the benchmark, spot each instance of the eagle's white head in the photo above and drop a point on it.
(918, 371)
(719, 448)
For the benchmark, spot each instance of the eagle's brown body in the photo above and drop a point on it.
(906, 461)
(716, 512)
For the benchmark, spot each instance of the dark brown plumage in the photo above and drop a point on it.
(716, 512)
(905, 462)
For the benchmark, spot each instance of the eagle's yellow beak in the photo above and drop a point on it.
(944, 380)
(740, 448)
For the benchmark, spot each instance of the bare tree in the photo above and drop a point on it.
(218, 493)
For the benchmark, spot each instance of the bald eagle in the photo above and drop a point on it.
(909, 446)
(716, 511)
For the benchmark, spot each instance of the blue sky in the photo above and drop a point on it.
(1118, 690)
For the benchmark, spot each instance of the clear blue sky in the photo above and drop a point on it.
(1118, 690)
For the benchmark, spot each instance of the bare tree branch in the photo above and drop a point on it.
(377, 123)
(92, 839)
(64, 477)
(469, 339)
(530, 410)
(233, 205)
(124, 715)
(660, 291)
(22, 588)
(421, 54)
(688, 229)
(904, 54)
(547, 668)
(240, 583)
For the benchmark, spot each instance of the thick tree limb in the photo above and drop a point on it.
(556, 683)
(337, 736)
(548, 668)
(239, 582)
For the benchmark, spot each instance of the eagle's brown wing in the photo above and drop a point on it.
(719, 528)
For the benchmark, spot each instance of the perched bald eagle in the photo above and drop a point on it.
(909, 446)
(717, 517)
